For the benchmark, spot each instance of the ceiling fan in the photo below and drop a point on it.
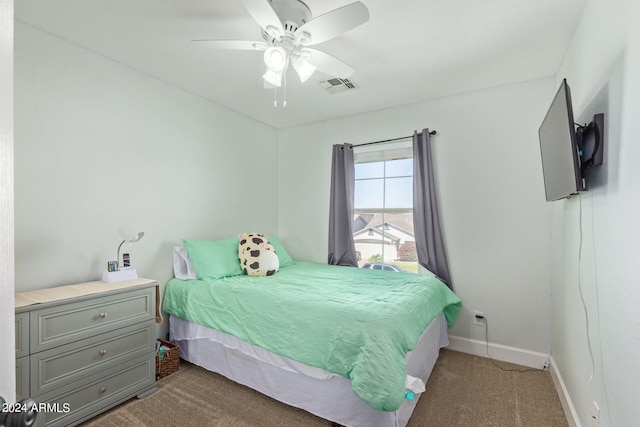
(288, 29)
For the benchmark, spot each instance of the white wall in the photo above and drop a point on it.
(496, 221)
(602, 66)
(7, 319)
(99, 146)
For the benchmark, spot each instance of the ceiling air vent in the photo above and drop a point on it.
(338, 85)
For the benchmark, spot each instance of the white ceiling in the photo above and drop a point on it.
(408, 51)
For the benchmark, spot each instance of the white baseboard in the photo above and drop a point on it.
(504, 353)
(522, 357)
(567, 404)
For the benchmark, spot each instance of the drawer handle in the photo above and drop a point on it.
(103, 315)
(103, 352)
(103, 390)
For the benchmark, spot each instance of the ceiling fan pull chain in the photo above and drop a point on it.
(275, 97)
(284, 102)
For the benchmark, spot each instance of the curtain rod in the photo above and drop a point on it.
(433, 132)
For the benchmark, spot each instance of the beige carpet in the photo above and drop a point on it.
(464, 390)
(467, 390)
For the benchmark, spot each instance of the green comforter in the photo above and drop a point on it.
(354, 322)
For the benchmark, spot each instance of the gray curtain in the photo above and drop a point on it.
(426, 217)
(342, 250)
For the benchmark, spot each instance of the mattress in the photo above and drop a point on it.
(313, 389)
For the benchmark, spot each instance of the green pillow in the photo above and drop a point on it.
(214, 258)
(283, 257)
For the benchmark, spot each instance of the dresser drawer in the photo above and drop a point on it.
(22, 334)
(66, 323)
(71, 364)
(22, 378)
(112, 387)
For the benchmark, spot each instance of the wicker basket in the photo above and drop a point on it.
(167, 361)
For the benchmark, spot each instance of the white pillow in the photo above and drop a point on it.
(182, 267)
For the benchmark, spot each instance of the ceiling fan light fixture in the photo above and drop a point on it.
(274, 78)
(275, 59)
(304, 69)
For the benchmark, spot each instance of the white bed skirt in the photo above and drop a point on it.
(315, 390)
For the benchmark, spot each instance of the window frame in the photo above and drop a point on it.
(396, 151)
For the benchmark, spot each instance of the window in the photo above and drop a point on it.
(383, 208)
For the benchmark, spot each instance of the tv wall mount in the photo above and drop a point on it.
(595, 127)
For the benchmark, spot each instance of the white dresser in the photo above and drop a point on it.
(81, 349)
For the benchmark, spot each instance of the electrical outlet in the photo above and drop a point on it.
(478, 318)
(595, 415)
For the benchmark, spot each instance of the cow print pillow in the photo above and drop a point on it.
(257, 256)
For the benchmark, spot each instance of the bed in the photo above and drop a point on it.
(353, 346)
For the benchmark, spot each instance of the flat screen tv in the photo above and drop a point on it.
(560, 149)
(568, 149)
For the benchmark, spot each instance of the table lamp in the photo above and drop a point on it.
(115, 272)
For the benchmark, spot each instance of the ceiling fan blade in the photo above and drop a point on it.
(233, 44)
(329, 64)
(262, 12)
(334, 23)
